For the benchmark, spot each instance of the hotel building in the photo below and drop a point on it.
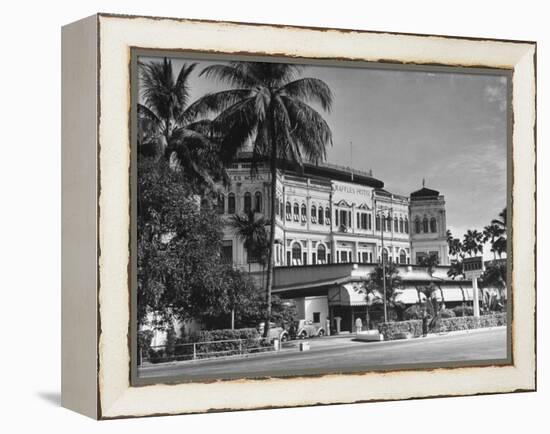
(332, 226)
(329, 214)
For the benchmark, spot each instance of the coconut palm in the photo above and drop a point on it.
(267, 106)
(250, 228)
(473, 242)
(491, 234)
(168, 127)
(500, 244)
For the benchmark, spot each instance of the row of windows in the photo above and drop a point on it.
(247, 203)
(426, 225)
(299, 213)
(322, 215)
(297, 256)
(399, 224)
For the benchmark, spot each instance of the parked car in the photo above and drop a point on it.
(302, 329)
(275, 331)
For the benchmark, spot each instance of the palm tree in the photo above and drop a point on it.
(473, 242)
(429, 262)
(500, 244)
(168, 126)
(267, 107)
(251, 230)
(491, 234)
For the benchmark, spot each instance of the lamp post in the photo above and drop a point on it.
(380, 212)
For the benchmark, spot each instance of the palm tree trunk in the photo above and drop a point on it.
(273, 198)
(233, 318)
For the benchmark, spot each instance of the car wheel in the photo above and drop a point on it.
(284, 338)
(321, 333)
(303, 335)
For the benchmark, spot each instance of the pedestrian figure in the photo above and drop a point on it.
(358, 325)
(424, 323)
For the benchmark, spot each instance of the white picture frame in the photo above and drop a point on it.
(96, 304)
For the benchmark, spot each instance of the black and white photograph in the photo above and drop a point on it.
(296, 219)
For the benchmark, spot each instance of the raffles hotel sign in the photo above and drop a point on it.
(351, 193)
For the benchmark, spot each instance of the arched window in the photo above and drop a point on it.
(406, 225)
(400, 224)
(321, 254)
(377, 222)
(395, 225)
(258, 202)
(433, 225)
(247, 202)
(304, 212)
(221, 204)
(313, 214)
(388, 223)
(231, 203)
(327, 215)
(281, 208)
(296, 208)
(417, 225)
(277, 207)
(296, 254)
(385, 256)
(321, 215)
(425, 225)
(402, 257)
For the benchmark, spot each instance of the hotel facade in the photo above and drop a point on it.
(329, 214)
(333, 224)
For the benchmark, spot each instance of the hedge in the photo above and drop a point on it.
(390, 330)
(249, 342)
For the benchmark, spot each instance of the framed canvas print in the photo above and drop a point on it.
(260, 216)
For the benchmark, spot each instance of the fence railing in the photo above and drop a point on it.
(205, 350)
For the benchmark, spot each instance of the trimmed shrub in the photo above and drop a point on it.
(446, 313)
(463, 310)
(391, 329)
(219, 343)
(413, 312)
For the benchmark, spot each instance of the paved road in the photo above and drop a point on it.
(344, 354)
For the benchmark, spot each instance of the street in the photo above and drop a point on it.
(338, 354)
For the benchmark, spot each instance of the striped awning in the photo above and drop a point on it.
(352, 294)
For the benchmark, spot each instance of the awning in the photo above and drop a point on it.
(408, 295)
(352, 294)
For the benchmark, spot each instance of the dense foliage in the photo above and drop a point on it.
(180, 271)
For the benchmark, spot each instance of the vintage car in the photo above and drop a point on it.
(275, 331)
(302, 329)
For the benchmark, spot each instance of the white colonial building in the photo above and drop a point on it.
(330, 214)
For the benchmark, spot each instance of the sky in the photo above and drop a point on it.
(447, 128)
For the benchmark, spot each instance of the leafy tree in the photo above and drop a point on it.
(429, 262)
(456, 269)
(494, 276)
(178, 248)
(251, 229)
(267, 106)
(168, 127)
(393, 283)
